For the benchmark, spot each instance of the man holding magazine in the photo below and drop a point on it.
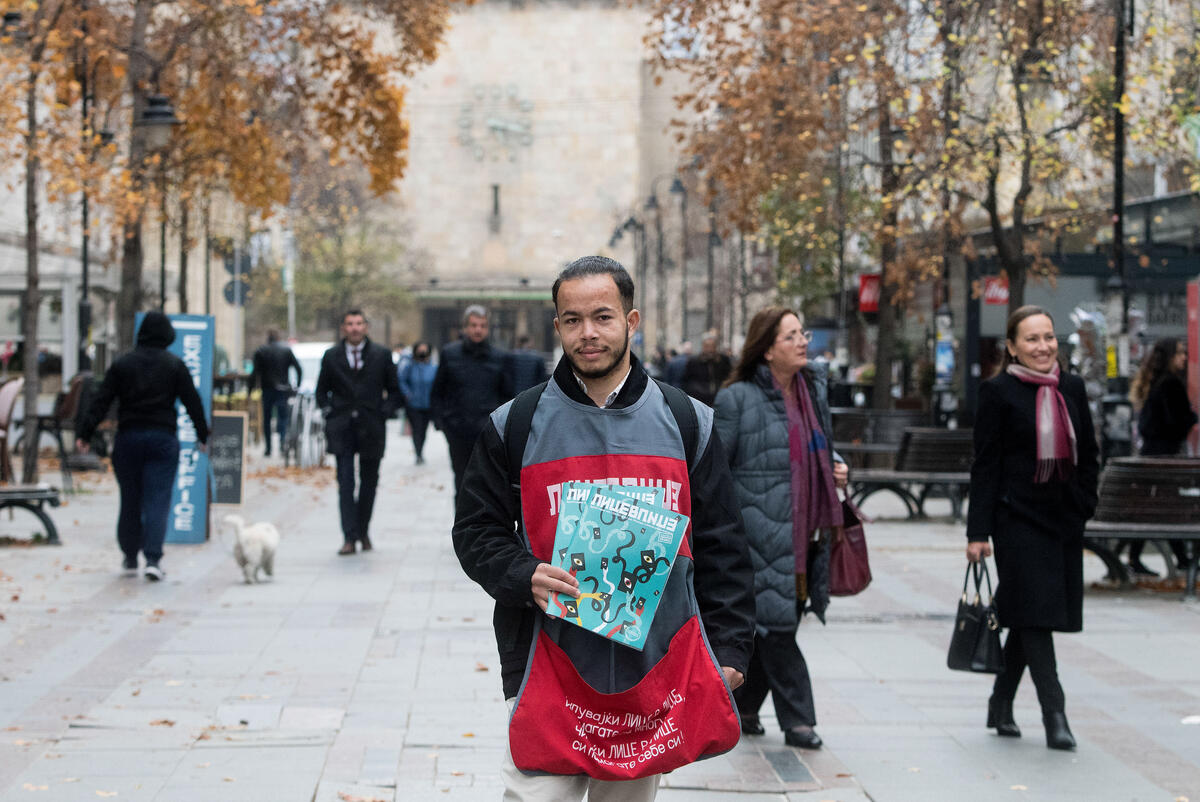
(594, 712)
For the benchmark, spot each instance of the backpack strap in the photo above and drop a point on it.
(685, 418)
(517, 426)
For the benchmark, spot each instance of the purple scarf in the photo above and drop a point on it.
(1056, 453)
(814, 496)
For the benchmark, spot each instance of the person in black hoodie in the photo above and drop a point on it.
(472, 380)
(145, 383)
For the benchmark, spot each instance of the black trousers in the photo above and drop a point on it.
(778, 666)
(356, 508)
(418, 419)
(1033, 648)
(460, 454)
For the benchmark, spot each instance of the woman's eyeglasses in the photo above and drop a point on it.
(791, 338)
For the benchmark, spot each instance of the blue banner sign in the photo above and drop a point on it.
(195, 341)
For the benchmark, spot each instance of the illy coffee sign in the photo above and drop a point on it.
(995, 291)
(868, 293)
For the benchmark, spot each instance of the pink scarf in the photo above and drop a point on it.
(1056, 455)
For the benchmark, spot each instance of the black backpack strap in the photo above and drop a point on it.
(517, 426)
(685, 419)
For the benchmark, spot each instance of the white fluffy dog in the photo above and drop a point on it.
(254, 547)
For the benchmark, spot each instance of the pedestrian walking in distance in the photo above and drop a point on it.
(358, 392)
(773, 417)
(525, 366)
(1165, 417)
(584, 721)
(145, 383)
(273, 360)
(1033, 488)
(704, 373)
(471, 381)
(416, 383)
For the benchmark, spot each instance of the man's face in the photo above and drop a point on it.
(476, 329)
(354, 328)
(593, 326)
(708, 348)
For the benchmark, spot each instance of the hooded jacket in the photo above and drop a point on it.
(145, 383)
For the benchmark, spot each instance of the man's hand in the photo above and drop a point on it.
(841, 475)
(549, 578)
(733, 677)
(977, 551)
(81, 447)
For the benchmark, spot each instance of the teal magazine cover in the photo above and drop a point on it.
(620, 542)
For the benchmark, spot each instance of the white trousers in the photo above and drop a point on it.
(519, 787)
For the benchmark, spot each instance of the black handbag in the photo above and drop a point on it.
(975, 644)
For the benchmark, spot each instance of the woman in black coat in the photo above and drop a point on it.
(1033, 488)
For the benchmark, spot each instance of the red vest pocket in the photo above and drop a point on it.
(679, 712)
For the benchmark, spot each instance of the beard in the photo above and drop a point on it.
(601, 372)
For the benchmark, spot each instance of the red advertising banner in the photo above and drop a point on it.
(995, 291)
(868, 293)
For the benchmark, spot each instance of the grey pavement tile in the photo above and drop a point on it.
(339, 791)
(295, 717)
(85, 789)
(251, 715)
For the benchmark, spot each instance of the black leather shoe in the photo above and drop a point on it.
(802, 737)
(1058, 734)
(347, 548)
(752, 726)
(1138, 568)
(1000, 716)
(365, 543)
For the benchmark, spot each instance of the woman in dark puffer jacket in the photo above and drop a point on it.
(773, 418)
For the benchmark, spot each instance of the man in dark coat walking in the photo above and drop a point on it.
(272, 363)
(357, 391)
(704, 374)
(525, 366)
(471, 381)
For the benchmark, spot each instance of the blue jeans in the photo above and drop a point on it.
(145, 462)
(277, 401)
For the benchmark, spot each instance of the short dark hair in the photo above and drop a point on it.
(272, 335)
(597, 266)
(354, 310)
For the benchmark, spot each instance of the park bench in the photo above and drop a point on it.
(870, 438)
(1147, 498)
(23, 515)
(929, 462)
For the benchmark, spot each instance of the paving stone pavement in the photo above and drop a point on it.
(375, 677)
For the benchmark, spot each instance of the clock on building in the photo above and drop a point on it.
(495, 123)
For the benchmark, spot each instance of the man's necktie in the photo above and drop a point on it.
(357, 358)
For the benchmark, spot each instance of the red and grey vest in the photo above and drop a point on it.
(588, 705)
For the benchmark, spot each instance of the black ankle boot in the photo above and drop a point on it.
(1058, 734)
(1000, 716)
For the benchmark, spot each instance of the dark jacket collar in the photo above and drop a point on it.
(481, 348)
(635, 385)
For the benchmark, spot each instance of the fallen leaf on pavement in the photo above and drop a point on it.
(11, 729)
(456, 774)
(1017, 788)
(171, 683)
(480, 667)
(345, 797)
(914, 770)
(32, 787)
(136, 693)
(468, 735)
(106, 793)
(162, 722)
(228, 779)
(16, 597)
(70, 779)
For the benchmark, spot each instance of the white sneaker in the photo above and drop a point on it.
(154, 573)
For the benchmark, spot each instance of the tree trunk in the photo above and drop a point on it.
(885, 344)
(131, 295)
(29, 312)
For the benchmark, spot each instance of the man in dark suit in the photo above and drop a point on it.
(358, 391)
(471, 381)
(272, 362)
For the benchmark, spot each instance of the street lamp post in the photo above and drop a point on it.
(677, 188)
(158, 119)
(713, 241)
(660, 274)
